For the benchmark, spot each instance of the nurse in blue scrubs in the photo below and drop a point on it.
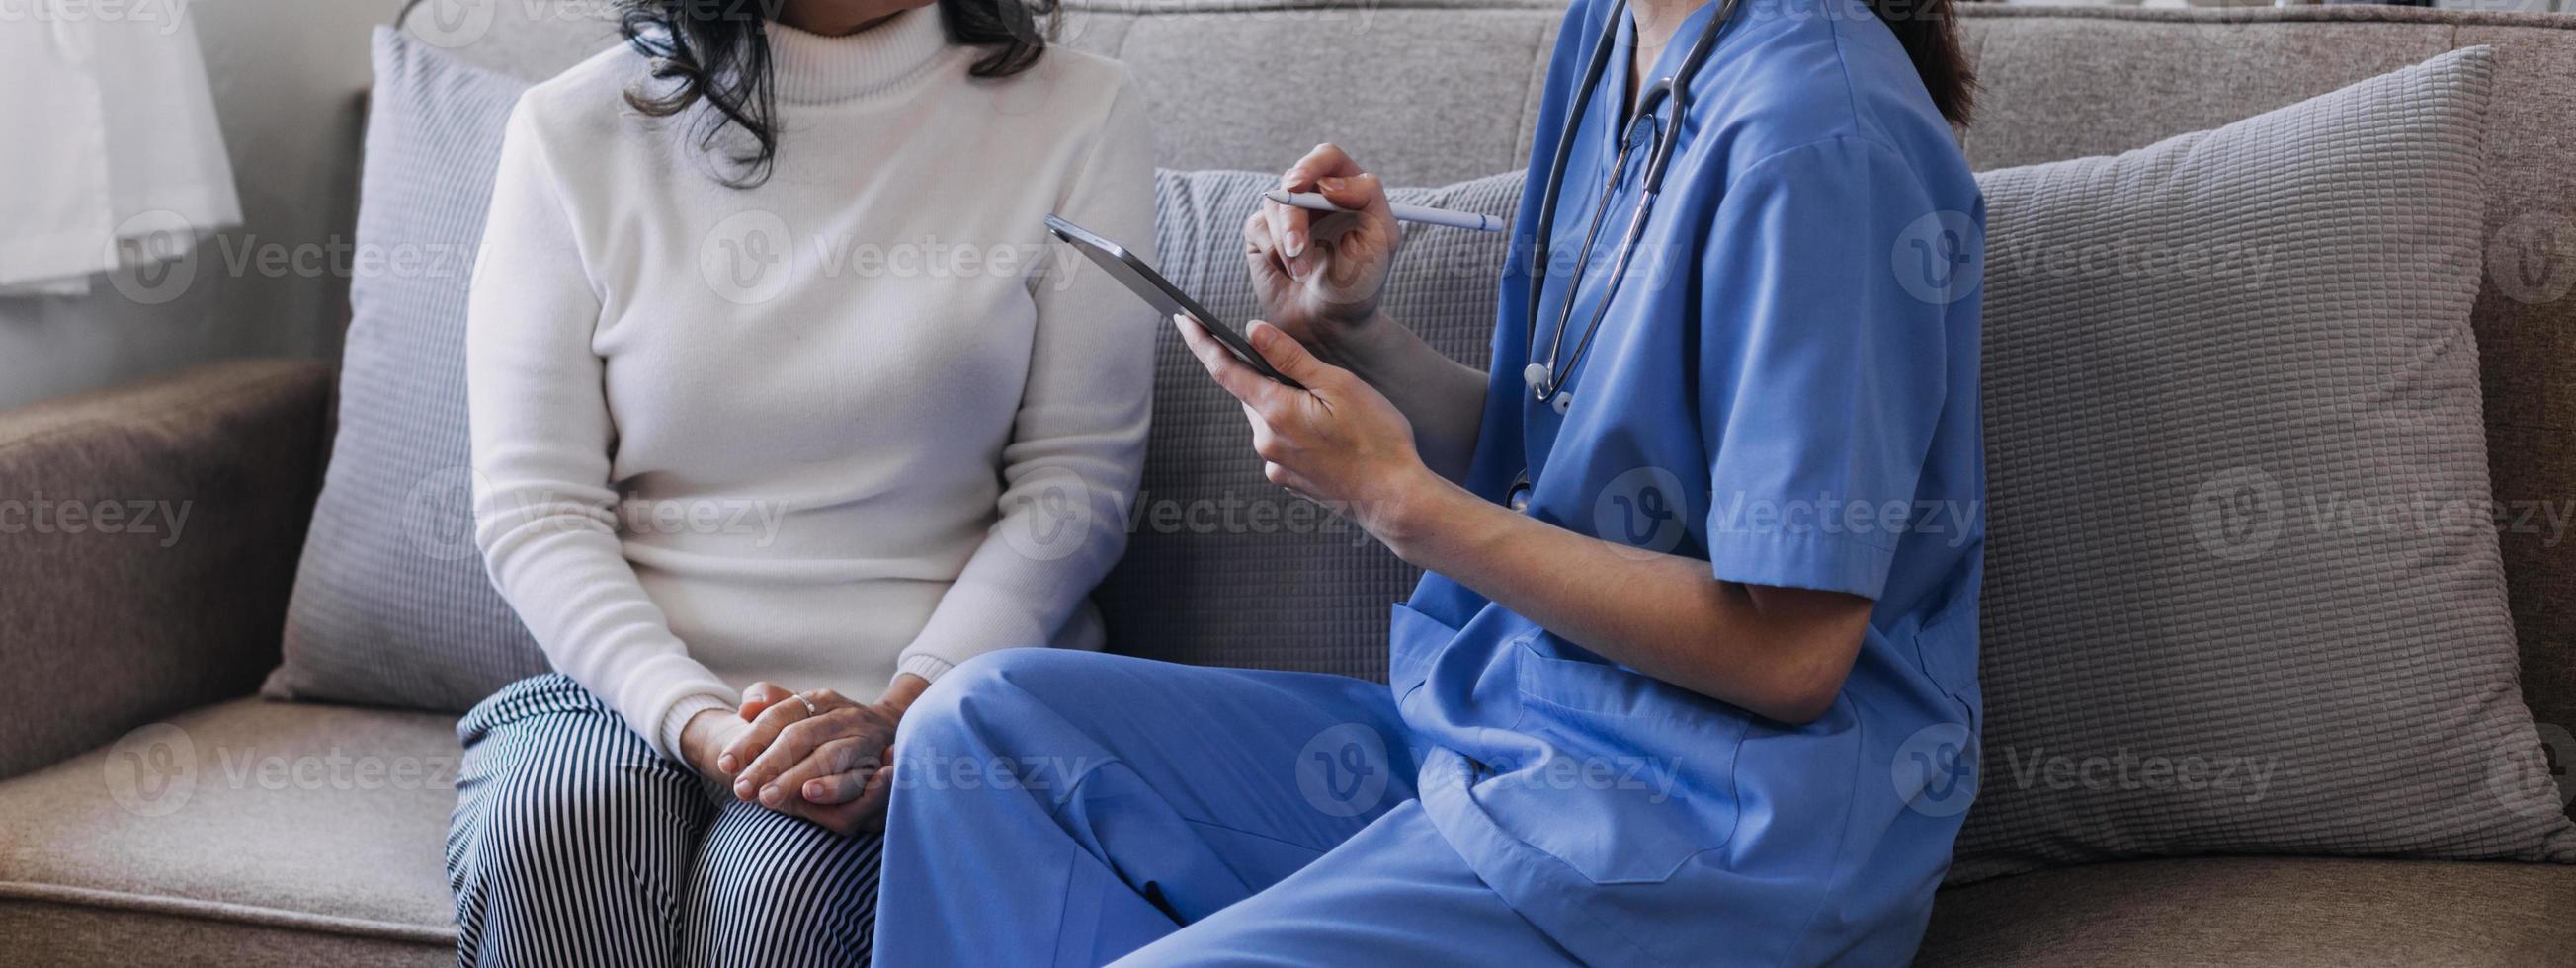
(1692, 677)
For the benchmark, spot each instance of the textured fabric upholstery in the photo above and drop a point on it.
(1426, 93)
(278, 825)
(310, 875)
(2236, 472)
(392, 605)
(1222, 566)
(2047, 74)
(2266, 912)
(106, 624)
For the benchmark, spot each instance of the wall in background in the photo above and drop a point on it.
(286, 75)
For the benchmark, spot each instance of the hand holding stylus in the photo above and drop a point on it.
(1318, 275)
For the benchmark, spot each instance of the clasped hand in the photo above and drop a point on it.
(823, 758)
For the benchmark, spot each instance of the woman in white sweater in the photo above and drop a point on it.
(782, 406)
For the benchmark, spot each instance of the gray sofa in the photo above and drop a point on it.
(302, 834)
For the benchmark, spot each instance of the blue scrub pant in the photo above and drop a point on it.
(1072, 808)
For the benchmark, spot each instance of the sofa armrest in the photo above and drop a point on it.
(148, 542)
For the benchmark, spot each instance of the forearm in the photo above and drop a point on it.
(1443, 398)
(1779, 653)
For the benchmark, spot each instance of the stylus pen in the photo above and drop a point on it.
(1403, 213)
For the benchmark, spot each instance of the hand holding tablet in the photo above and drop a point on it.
(1159, 293)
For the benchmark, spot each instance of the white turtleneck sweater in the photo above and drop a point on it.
(861, 419)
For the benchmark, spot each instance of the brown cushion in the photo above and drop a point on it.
(272, 822)
(2268, 912)
(208, 476)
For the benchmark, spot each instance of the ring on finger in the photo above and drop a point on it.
(811, 710)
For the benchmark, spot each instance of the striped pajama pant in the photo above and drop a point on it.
(573, 843)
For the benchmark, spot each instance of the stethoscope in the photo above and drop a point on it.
(1546, 381)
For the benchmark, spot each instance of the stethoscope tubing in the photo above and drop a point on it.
(1545, 380)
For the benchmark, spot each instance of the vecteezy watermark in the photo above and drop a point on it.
(159, 256)
(2242, 264)
(152, 771)
(1652, 778)
(451, 23)
(1047, 515)
(2537, 782)
(1935, 770)
(48, 516)
(338, 257)
(2237, 514)
(748, 258)
(166, 15)
(752, 256)
(936, 770)
(155, 253)
(155, 770)
(1226, 512)
(1652, 263)
(2243, 512)
(2124, 771)
(1940, 257)
(1643, 510)
(439, 514)
(1343, 770)
(1880, 523)
(456, 23)
(2532, 260)
(1053, 512)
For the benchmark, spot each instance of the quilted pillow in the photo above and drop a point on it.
(2242, 591)
(392, 606)
(1223, 567)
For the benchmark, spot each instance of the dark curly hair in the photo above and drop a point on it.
(716, 52)
(1929, 32)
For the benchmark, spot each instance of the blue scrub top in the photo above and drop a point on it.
(1785, 385)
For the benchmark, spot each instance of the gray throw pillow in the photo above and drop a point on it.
(1223, 567)
(2242, 589)
(392, 606)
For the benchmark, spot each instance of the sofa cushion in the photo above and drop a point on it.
(175, 600)
(2273, 912)
(1223, 567)
(2044, 72)
(256, 814)
(329, 869)
(392, 606)
(2242, 591)
(270, 821)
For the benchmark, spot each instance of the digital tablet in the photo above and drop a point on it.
(1159, 292)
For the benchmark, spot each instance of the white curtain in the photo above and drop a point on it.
(109, 151)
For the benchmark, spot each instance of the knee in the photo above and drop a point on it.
(994, 718)
(972, 706)
(541, 803)
(771, 889)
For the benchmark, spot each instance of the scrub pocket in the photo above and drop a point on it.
(1640, 775)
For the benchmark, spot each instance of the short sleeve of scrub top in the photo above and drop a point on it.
(1824, 373)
